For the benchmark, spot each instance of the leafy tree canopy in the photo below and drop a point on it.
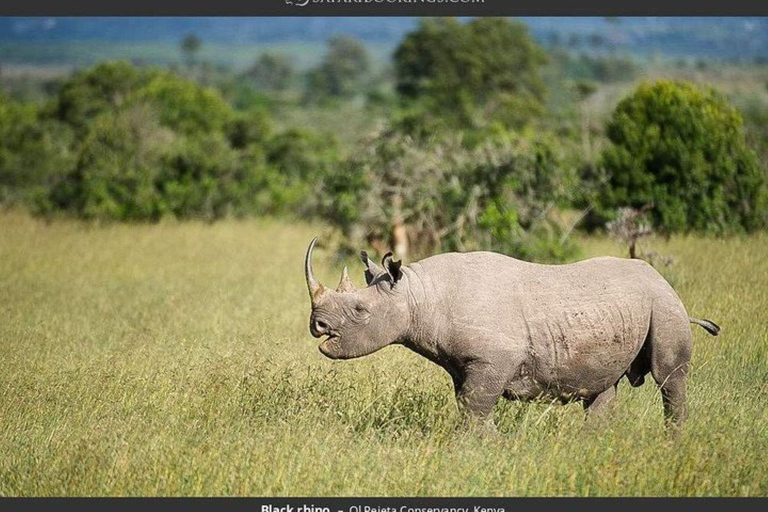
(271, 71)
(342, 71)
(682, 150)
(488, 67)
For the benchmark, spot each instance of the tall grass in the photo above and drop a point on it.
(175, 359)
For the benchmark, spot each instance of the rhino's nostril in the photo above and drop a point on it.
(321, 326)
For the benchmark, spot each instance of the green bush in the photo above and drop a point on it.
(182, 104)
(299, 161)
(206, 178)
(486, 69)
(117, 168)
(682, 150)
(34, 150)
(342, 72)
(496, 196)
(253, 126)
(90, 92)
(272, 71)
(604, 69)
(185, 106)
(160, 145)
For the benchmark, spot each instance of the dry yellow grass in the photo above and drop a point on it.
(175, 360)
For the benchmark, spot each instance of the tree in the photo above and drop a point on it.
(574, 41)
(446, 196)
(628, 228)
(342, 71)
(184, 105)
(272, 71)
(681, 152)
(254, 126)
(298, 162)
(150, 143)
(89, 93)
(117, 168)
(34, 150)
(132, 167)
(486, 68)
(596, 40)
(585, 90)
(190, 47)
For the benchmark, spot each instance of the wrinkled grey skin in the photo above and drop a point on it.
(504, 327)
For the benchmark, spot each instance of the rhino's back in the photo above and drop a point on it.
(581, 324)
(503, 276)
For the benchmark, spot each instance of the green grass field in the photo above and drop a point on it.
(175, 359)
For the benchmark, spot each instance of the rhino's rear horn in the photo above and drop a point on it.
(345, 285)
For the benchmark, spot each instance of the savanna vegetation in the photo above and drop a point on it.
(469, 147)
(174, 358)
(154, 216)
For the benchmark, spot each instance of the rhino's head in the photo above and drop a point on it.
(356, 321)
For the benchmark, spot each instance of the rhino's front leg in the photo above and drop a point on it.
(478, 388)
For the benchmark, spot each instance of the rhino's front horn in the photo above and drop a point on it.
(345, 285)
(315, 288)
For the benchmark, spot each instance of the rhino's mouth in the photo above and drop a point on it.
(331, 339)
(329, 345)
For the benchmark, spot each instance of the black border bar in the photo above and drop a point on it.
(379, 504)
(384, 8)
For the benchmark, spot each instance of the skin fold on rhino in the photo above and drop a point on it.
(502, 327)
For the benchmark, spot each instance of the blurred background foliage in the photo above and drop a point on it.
(426, 135)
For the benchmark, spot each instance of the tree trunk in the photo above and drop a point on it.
(399, 234)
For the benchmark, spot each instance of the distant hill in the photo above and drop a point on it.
(223, 30)
(713, 37)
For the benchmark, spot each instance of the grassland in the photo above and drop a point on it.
(175, 359)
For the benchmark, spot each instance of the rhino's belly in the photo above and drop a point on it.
(583, 347)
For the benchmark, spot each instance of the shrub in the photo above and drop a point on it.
(342, 71)
(205, 177)
(34, 150)
(497, 196)
(182, 104)
(185, 106)
(299, 161)
(90, 92)
(682, 151)
(488, 68)
(272, 71)
(130, 167)
(117, 168)
(164, 145)
(253, 126)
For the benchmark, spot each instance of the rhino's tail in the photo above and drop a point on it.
(708, 325)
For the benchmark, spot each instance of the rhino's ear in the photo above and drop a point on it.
(392, 268)
(372, 270)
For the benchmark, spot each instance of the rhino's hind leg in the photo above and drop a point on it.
(670, 356)
(673, 396)
(597, 406)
